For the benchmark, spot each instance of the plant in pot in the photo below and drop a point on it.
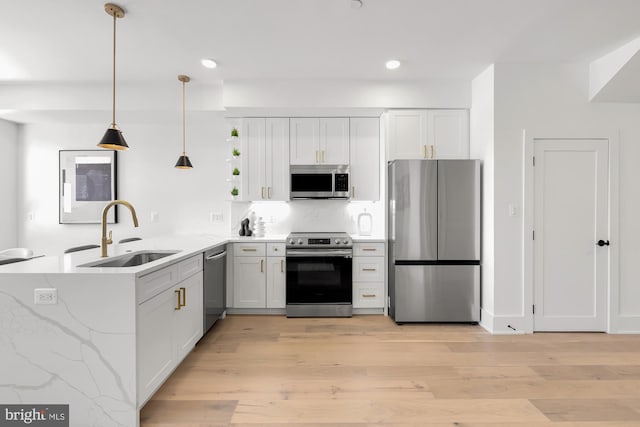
(234, 192)
(234, 133)
(235, 153)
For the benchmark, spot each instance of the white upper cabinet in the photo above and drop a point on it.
(265, 170)
(428, 134)
(319, 140)
(364, 146)
(448, 134)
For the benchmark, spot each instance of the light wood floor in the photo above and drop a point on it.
(367, 371)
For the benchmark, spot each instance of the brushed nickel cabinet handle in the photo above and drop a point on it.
(369, 249)
(369, 269)
(368, 295)
(262, 193)
(281, 266)
(432, 151)
(316, 156)
(249, 249)
(261, 266)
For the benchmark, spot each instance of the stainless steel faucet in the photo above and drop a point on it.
(107, 241)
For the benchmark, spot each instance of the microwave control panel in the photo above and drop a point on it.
(342, 182)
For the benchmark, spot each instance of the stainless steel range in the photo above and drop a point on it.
(319, 270)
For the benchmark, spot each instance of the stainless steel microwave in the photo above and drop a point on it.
(319, 181)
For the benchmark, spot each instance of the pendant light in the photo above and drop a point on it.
(183, 161)
(113, 139)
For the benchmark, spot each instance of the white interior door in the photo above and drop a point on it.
(571, 215)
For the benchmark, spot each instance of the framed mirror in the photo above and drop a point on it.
(87, 183)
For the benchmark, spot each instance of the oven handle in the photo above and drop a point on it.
(318, 253)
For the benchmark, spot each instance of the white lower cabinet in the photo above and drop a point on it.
(368, 275)
(170, 322)
(259, 272)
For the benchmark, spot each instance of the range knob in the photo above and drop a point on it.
(345, 241)
(300, 241)
(337, 241)
(292, 242)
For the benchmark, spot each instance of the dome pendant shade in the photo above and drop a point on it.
(113, 140)
(184, 162)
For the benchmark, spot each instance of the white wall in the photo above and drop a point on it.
(8, 190)
(146, 178)
(552, 101)
(481, 147)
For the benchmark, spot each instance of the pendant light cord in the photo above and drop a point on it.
(184, 132)
(113, 86)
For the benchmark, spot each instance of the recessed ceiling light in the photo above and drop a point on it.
(208, 63)
(392, 64)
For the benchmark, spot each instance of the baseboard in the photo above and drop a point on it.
(625, 325)
(502, 325)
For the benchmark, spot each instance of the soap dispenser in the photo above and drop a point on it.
(365, 223)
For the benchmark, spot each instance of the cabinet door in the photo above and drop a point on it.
(276, 276)
(277, 159)
(188, 322)
(253, 154)
(364, 147)
(249, 286)
(407, 134)
(448, 134)
(303, 141)
(156, 356)
(334, 140)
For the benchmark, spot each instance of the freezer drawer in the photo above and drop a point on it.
(436, 293)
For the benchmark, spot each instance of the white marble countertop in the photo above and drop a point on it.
(187, 245)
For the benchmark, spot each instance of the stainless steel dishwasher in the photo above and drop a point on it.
(215, 278)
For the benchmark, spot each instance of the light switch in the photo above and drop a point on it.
(155, 216)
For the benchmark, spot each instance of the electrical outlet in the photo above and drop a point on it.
(215, 216)
(155, 216)
(45, 296)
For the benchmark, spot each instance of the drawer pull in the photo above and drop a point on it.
(281, 266)
(261, 266)
(369, 249)
(369, 269)
(249, 249)
(368, 295)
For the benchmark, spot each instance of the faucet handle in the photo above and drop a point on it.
(109, 241)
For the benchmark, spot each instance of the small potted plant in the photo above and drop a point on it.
(235, 173)
(235, 153)
(234, 193)
(234, 133)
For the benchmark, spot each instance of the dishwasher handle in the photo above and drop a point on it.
(216, 256)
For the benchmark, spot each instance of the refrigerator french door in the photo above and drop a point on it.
(434, 240)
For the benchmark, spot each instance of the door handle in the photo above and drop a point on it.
(177, 291)
(281, 266)
(322, 156)
(603, 243)
(424, 151)
(262, 193)
(261, 266)
(432, 151)
(184, 296)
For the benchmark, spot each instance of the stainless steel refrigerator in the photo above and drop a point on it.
(434, 240)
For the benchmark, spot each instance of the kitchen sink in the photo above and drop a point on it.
(131, 260)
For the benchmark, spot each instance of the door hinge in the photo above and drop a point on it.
(533, 308)
(534, 161)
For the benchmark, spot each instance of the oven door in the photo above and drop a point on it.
(316, 276)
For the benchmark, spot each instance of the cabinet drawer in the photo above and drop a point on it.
(368, 269)
(249, 249)
(189, 267)
(368, 249)
(276, 249)
(368, 294)
(154, 283)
